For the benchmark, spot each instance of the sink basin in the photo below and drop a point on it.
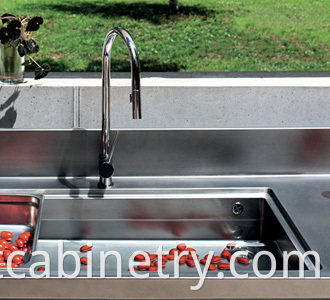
(205, 219)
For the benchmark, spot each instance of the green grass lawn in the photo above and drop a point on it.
(206, 35)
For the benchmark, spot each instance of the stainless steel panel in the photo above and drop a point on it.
(162, 152)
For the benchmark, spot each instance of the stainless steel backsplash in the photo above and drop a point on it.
(166, 152)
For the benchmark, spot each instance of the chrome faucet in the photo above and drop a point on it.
(105, 161)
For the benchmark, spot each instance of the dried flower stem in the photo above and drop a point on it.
(30, 57)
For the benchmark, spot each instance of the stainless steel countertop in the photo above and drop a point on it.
(306, 198)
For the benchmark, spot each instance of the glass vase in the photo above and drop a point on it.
(11, 68)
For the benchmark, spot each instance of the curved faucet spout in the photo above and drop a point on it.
(105, 166)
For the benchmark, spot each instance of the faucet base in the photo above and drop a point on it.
(105, 183)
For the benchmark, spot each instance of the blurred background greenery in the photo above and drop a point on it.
(204, 35)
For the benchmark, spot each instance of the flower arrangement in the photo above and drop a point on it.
(18, 32)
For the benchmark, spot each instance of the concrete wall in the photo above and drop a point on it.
(64, 103)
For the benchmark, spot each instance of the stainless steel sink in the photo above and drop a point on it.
(182, 187)
(205, 219)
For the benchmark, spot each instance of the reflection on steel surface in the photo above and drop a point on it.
(165, 152)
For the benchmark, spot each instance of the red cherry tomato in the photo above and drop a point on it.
(153, 268)
(28, 234)
(3, 265)
(139, 257)
(191, 250)
(6, 235)
(86, 248)
(225, 253)
(181, 246)
(2, 259)
(24, 237)
(17, 259)
(85, 261)
(143, 268)
(216, 259)
(170, 256)
(182, 259)
(19, 243)
(190, 262)
(212, 267)
(172, 251)
(41, 269)
(243, 260)
(12, 247)
(152, 257)
(2, 248)
(6, 254)
(4, 243)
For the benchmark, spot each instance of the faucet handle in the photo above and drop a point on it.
(105, 167)
(105, 170)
